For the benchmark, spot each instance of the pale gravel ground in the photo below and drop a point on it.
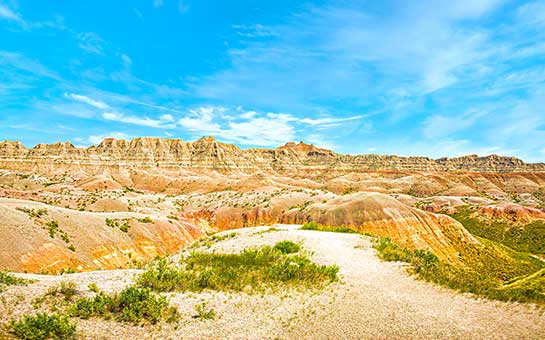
(374, 299)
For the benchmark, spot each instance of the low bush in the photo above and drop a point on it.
(287, 247)
(133, 305)
(146, 219)
(43, 326)
(204, 313)
(66, 289)
(7, 279)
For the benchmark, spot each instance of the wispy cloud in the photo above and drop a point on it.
(256, 128)
(84, 99)
(137, 120)
(8, 14)
(183, 6)
(91, 43)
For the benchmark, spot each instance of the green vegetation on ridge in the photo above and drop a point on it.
(528, 238)
(516, 277)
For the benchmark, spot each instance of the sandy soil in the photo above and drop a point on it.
(374, 299)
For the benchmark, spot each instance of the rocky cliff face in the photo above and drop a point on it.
(207, 153)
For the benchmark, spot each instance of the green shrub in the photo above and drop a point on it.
(252, 270)
(146, 219)
(93, 287)
(7, 279)
(132, 305)
(287, 247)
(52, 226)
(124, 227)
(203, 313)
(43, 326)
(33, 212)
(66, 289)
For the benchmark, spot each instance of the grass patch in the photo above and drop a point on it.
(514, 277)
(319, 227)
(146, 219)
(33, 213)
(66, 289)
(122, 224)
(252, 270)
(133, 304)
(7, 279)
(529, 238)
(52, 227)
(287, 247)
(268, 230)
(210, 240)
(43, 326)
(203, 313)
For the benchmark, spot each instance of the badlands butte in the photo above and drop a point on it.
(123, 203)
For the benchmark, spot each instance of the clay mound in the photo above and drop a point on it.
(385, 216)
(96, 245)
(376, 213)
(99, 182)
(511, 212)
(108, 205)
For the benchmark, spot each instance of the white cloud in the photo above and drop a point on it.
(183, 7)
(84, 99)
(167, 118)
(127, 61)
(328, 121)
(255, 128)
(22, 63)
(97, 139)
(201, 120)
(91, 43)
(532, 13)
(143, 121)
(440, 125)
(8, 14)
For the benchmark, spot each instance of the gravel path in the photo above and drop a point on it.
(374, 299)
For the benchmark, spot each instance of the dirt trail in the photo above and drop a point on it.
(374, 299)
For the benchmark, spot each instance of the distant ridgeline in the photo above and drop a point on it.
(208, 153)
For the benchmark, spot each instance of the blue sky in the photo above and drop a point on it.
(431, 78)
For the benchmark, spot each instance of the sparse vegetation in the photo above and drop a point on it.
(203, 313)
(52, 227)
(287, 247)
(7, 279)
(146, 219)
(133, 305)
(67, 290)
(528, 238)
(122, 224)
(43, 326)
(520, 278)
(268, 230)
(319, 227)
(252, 270)
(93, 287)
(33, 213)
